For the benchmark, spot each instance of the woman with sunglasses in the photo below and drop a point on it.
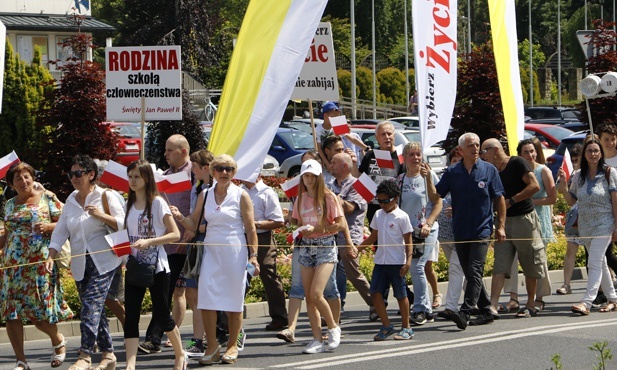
(320, 218)
(228, 211)
(30, 291)
(150, 225)
(93, 262)
(594, 188)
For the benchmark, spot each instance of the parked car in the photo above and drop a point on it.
(554, 162)
(549, 135)
(365, 122)
(562, 114)
(302, 126)
(289, 142)
(128, 143)
(409, 122)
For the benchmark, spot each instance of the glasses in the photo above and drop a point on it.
(485, 150)
(228, 169)
(592, 151)
(78, 173)
(385, 201)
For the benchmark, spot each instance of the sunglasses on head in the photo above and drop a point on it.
(385, 201)
(229, 169)
(78, 173)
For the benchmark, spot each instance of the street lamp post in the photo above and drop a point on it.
(352, 19)
(406, 56)
(559, 52)
(374, 73)
(469, 26)
(530, 60)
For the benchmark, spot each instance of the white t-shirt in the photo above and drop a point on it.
(611, 161)
(391, 227)
(141, 226)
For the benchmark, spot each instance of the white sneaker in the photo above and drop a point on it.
(313, 347)
(334, 337)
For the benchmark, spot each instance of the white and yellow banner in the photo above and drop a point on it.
(270, 52)
(435, 56)
(503, 29)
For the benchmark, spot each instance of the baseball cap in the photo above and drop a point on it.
(311, 166)
(328, 106)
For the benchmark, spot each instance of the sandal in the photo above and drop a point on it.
(404, 334)
(526, 312)
(20, 365)
(108, 362)
(580, 309)
(384, 332)
(611, 306)
(78, 366)
(436, 300)
(508, 307)
(57, 359)
(542, 304)
(565, 289)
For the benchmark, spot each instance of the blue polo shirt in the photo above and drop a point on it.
(472, 198)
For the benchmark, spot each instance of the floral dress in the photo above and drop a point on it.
(29, 292)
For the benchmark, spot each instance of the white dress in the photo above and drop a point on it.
(222, 279)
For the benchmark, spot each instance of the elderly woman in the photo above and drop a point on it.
(93, 262)
(30, 291)
(594, 188)
(228, 210)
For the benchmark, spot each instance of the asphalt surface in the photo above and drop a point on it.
(506, 344)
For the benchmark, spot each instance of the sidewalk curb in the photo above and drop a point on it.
(251, 310)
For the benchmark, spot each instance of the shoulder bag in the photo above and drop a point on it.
(194, 253)
(140, 274)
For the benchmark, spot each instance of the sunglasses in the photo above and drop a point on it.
(385, 201)
(229, 169)
(484, 151)
(78, 173)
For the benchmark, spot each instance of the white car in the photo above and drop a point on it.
(412, 122)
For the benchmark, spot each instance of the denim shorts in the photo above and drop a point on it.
(317, 251)
(297, 290)
(386, 275)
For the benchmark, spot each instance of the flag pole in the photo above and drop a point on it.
(310, 101)
(142, 154)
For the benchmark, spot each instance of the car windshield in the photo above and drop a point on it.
(569, 144)
(558, 132)
(570, 114)
(298, 140)
(131, 131)
(542, 113)
(412, 136)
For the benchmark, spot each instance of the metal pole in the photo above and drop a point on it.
(352, 17)
(585, 14)
(559, 52)
(530, 60)
(373, 50)
(469, 26)
(406, 57)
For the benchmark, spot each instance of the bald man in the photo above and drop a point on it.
(523, 234)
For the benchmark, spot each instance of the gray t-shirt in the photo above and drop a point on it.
(414, 200)
(355, 219)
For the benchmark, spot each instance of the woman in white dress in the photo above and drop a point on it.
(222, 280)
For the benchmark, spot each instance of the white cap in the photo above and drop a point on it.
(311, 166)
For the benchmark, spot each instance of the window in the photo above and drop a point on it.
(26, 45)
(63, 53)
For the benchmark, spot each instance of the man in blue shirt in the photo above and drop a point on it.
(475, 188)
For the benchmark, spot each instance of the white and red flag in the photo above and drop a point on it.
(115, 176)
(384, 158)
(173, 183)
(119, 242)
(566, 165)
(339, 125)
(366, 187)
(6, 162)
(399, 153)
(290, 187)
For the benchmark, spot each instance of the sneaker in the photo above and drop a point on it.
(286, 335)
(446, 314)
(334, 338)
(240, 340)
(418, 318)
(599, 301)
(313, 347)
(483, 319)
(149, 347)
(194, 348)
(460, 319)
(429, 317)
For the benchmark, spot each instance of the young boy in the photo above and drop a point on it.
(608, 139)
(392, 230)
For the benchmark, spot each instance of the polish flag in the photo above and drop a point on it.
(290, 187)
(339, 125)
(384, 158)
(399, 152)
(566, 165)
(6, 162)
(366, 187)
(119, 242)
(173, 183)
(115, 176)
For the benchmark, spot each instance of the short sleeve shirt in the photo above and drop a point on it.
(312, 214)
(377, 174)
(512, 180)
(355, 219)
(142, 226)
(414, 200)
(595, 209)
(266, 204)
(391, 228)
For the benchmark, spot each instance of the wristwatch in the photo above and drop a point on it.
(511, 201)
(253, 255)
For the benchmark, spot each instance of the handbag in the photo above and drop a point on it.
(139, 274)
(194, 253)
(418, 243)
(63, 258)
(571, 228)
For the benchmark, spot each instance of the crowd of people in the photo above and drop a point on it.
(203, 246)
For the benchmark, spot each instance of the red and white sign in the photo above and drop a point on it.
(290, 187)
(384, 158)
(339, 125)
(366, 187)
(7, 161)
(318, 79)
(119, 242)
(566, 165)
(152, 73)
(115, 176)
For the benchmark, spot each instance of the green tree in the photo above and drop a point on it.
(524, 74)
(364, 83)
(344, 82)
(539, 59)
(392, 86)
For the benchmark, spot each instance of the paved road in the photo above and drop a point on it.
(506, 344)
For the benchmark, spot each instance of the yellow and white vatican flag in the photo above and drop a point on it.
(269, 54)
(435, 48)
(503, 29)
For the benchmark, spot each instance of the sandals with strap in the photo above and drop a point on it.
(384, 332)
(526, 312)
(610, 307)
(436, 301)
(580, 309)
(404, 334)
(20, 365)
(509, 307)
(565, 289)
(83, 359)
(108, 362)
(57, 359)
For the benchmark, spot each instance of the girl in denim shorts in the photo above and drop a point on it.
(320, 218)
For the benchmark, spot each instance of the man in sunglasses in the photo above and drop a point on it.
(475, 188)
